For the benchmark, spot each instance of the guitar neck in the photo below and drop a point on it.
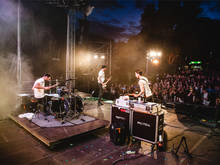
(108, 80)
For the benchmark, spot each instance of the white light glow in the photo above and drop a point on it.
(152, 54)
(159, 54)
(155, 61)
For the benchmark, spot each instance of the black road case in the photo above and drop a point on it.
(121, 115)
(146, 126)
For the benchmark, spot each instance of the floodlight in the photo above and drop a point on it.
(155, 61)
(159, 54)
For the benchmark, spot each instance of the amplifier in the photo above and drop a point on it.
(121, 115)
(147, 126)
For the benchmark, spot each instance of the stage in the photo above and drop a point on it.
(17, 145)
(52, 129)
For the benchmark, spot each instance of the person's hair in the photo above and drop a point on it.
(47, 75)
(138, 71)
(103, 66)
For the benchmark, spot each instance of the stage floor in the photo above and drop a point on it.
(18, 147)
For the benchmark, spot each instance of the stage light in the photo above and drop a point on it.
(95, 57)
(159, 54)
(102, 57)
(155, 61)
(152, 54)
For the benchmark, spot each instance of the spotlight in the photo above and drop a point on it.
(152, 54)
(159, 54)
(102, 57)
(155, 61)
(95, 56)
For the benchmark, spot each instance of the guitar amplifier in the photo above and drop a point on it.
(121, 115)
(147, 126)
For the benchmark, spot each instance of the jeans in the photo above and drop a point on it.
(100, 92)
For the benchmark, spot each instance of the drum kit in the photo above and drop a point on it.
(63, 104)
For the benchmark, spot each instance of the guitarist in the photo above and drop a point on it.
(39, 88)
(101, 84)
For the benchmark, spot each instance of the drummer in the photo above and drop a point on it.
(39, 88)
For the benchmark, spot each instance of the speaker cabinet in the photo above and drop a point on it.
(146, 126)
(121, 115)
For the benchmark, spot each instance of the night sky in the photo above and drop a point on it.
(110, 19)
(121, 18)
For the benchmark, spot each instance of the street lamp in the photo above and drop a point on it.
(152, 56)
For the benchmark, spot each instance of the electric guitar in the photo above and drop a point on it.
(104, 85)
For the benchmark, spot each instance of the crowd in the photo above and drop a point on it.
(193, 87)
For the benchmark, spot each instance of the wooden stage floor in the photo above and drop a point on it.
(54, 135)
(18, 147)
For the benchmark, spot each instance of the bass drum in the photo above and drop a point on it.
(75, 103)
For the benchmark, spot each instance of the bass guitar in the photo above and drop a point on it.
(104, 85)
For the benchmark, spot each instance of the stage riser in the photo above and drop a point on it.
(55, 135)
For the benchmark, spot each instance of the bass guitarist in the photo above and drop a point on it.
(101, 83)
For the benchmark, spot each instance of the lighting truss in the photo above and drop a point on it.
(63, 3)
